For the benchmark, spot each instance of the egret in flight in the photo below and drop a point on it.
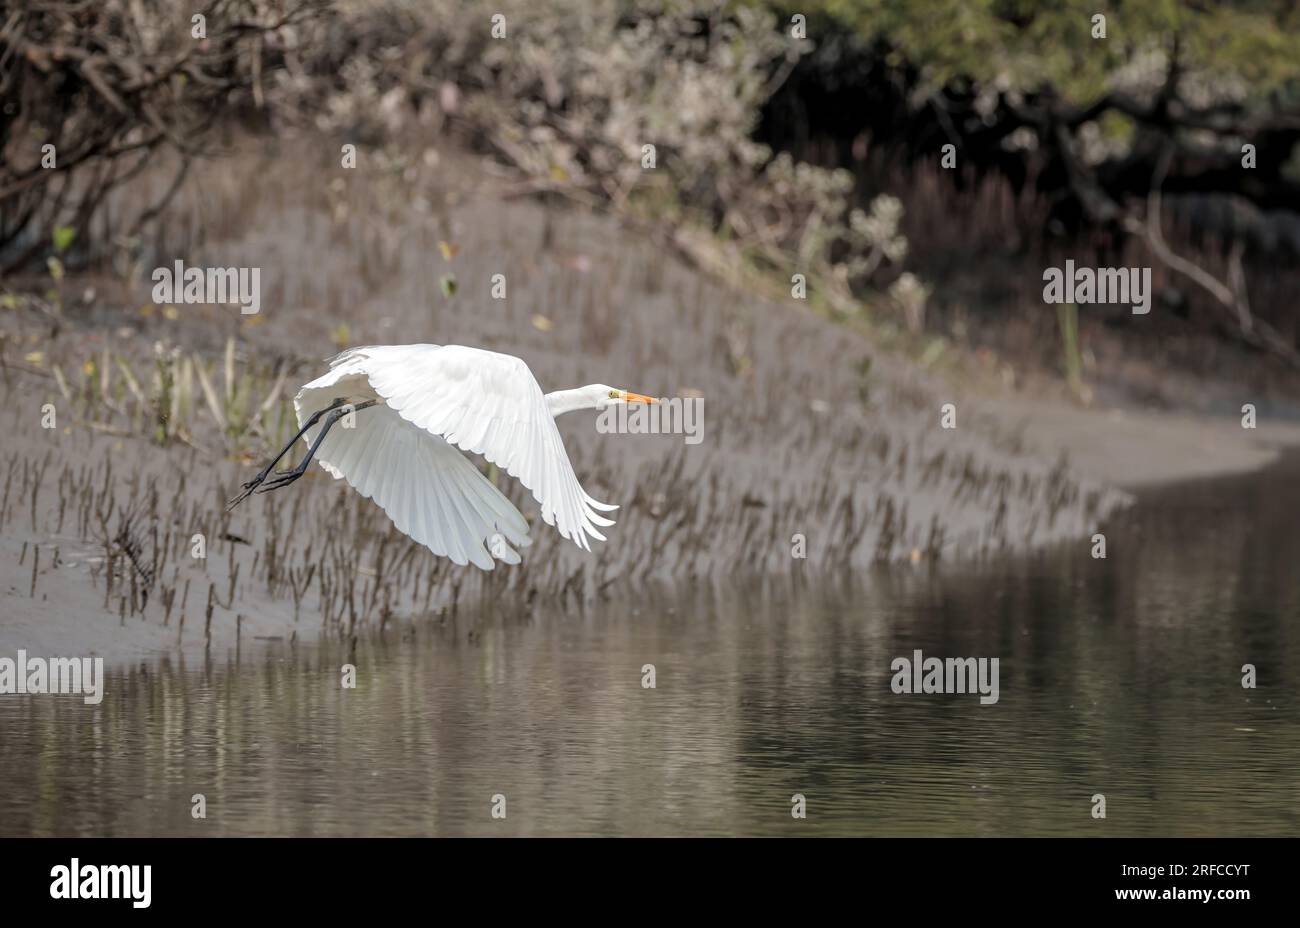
(413, 409)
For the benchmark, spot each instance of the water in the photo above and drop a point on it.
(1120, 677)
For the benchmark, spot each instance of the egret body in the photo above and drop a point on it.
(410, 411)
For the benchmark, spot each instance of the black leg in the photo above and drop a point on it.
(257, 481)
(288, 477)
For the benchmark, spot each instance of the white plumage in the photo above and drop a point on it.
(400, 451)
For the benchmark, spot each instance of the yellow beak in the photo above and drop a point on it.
(637, 398)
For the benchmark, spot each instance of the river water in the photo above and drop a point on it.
(1120, 677)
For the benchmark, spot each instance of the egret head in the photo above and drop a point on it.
(596, 396)
(603, 396)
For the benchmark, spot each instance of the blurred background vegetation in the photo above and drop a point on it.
(788, 138)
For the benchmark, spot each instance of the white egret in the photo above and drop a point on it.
(411, 408)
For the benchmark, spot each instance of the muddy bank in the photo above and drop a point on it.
(1135, 448)
(814, 441)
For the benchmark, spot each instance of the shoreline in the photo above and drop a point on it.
(1135, 449)
(1127, 450)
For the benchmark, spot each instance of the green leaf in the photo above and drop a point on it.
(55, 266)
(63, 236)
(448, 284)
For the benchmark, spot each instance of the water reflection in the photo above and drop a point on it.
(1119, 677)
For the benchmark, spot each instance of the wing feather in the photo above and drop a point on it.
(485, 403)
(431, 491)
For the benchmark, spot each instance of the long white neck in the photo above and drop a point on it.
(562, 401)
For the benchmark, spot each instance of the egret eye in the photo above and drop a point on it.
(613, 394)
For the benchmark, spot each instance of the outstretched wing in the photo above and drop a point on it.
(431, 491)
(489, 404)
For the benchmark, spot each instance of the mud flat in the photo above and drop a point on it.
(809, 432)
(1135, 448)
